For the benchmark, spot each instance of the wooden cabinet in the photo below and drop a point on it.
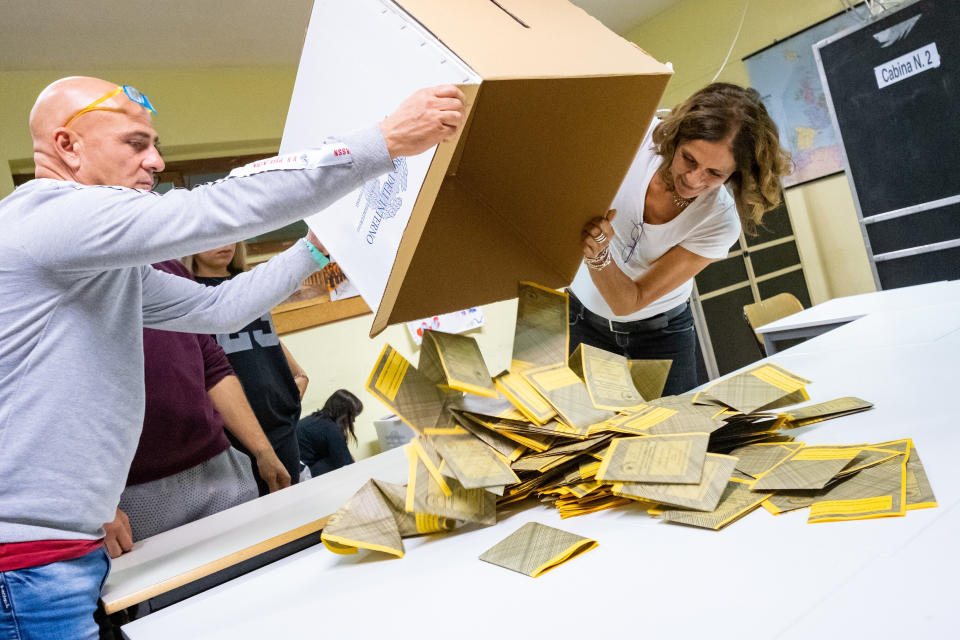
(757, 267)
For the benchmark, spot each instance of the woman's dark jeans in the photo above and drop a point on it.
(658, 338)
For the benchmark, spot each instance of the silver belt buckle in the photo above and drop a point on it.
(612, 330)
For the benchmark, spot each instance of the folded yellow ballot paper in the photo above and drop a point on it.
(524, 397)
(878, 491)
(471, 460)
(411, 524)
(542, 332)
(675, 458)
(374, 519)
(703, 496)
(780, 503)
(575, 447)
(881, 481)
(607, 377)
(806, 468)
(534, 549)
(865, 458)
(687, 404)
(498, 407)
(503, 445)
(686, 419)
(650, 376)
(665, 415)
(919, 492)
(758, 388)
(567, 394)
(737, 501)
(365, 522)
(405, 390)
(454, 361)
(802, 416)
(430, 493)
(599, 499)
(638, 422)
(756, 459)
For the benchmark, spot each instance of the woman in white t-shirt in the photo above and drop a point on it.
(671, 218)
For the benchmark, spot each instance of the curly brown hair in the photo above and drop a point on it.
(721, 111)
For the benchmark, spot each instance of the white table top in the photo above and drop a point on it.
(902, 600)
(164, 558)
(764, 576)
(888, 328)
(850, 308)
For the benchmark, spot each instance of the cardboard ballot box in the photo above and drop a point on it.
(557, 107)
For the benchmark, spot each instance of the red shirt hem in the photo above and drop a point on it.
(35, 553)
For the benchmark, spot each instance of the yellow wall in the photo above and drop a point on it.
(201, 112)
(695, 36)
(241, 110)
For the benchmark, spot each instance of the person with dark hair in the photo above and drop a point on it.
(273, 381)
(323, 434)
(671, 218)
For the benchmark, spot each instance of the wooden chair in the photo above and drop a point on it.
(766, 311)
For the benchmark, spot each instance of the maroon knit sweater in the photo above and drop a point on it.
(181, 428)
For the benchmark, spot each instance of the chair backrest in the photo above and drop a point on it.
(766, 311)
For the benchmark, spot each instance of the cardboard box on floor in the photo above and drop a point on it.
(557, 107)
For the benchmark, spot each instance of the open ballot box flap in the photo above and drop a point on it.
(557, 107)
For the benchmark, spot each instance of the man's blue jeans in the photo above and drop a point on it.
(55, 600)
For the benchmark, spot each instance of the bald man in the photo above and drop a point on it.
(76, 290)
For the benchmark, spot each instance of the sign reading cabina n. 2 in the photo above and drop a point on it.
(557, 106)
(892, 86)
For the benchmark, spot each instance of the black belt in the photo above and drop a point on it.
(653, 323)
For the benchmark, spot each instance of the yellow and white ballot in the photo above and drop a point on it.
(534, 549)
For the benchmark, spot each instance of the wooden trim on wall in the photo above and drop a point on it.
(268, 248)
(311, 306)
(295, 316)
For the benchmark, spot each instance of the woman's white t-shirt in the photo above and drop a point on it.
(707, 227)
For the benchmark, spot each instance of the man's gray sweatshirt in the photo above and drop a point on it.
(76, 290)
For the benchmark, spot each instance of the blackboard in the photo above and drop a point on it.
(894, 90)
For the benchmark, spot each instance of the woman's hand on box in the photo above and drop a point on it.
(597, 235)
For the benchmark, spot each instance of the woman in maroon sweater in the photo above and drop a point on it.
(272, 380)
(184, 468)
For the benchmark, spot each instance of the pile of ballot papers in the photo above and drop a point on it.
(590, 432)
